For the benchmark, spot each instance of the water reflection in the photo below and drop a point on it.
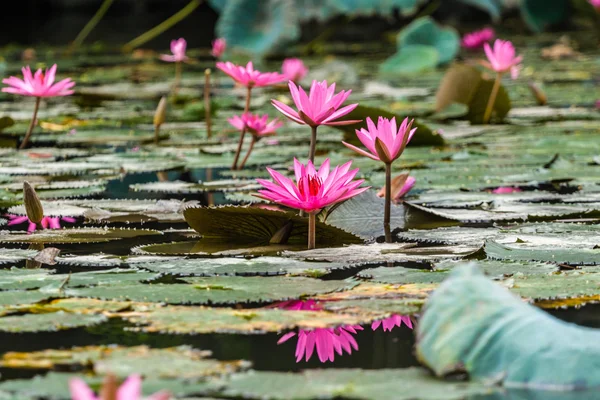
(329, 341)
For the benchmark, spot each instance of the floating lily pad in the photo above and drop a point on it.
(76, 235)
(229, 185)
(49, 322)
(550, 254)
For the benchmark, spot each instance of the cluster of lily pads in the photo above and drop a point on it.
(520, 198)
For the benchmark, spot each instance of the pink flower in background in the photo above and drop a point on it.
(38, 85)
(218, 47)
(475, 40)
(596, 4)
(386, 141)
(258, 126)
(178, 48)
(248, 76)
(506, 190)
(47, 222)
(401, 185)
(502, 58)
(326, 341)
(392, 322)
(312, 190)
(131, 389)
(319, 107)
(294, 69)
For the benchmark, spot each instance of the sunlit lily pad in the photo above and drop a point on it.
(49, 322)
(229, 185)
(76, 235)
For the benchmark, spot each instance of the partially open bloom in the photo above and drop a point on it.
(319, 107)
(178, 48)
(131, 389)
(38, 85)
(294, 69)
(401, 185)
(475, 40)
(255, 124)
(218, 47)
(385, 141)
(47, 222)
(313, 190)
(248, 76)
(392, 322)
(502, 58)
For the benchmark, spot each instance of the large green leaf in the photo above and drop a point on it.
(425, 31)
(410, 59)
(539, 16)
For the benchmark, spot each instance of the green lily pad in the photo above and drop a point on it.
(50, 322)
(550, 254)
(76, 235)
(426, 32)
(227, 185)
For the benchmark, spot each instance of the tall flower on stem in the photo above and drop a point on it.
(131, 389)
(258, 126)
(313, 190)
(294, 69)
(38, 85)
(385, 142)
(320, 107)
(178, 48)
(219, 46)
(502, 59)
(250, 78)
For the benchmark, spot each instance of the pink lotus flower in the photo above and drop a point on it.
(327, 342)
(475, 40)
(502, 58)
(248, 76)
(401, 185)
(385, 141)
(319, 107)
(255, 124)
(391, 322)
(297, 305)
(294, 69)
(506, 190)
(178, 48)
(39, 85)
(131, 389)
(218, 47)
(312, 190)
(596, 4)
(47, 222)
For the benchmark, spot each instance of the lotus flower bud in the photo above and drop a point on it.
(33, 205)
(160, 115)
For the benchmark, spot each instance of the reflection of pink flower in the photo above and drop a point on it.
(178, 48)
(294, 69)
(218, 47)
(47, 222)
(506, 190)
(391, 322)
(327, 342)
(131, 389)
(475, 40)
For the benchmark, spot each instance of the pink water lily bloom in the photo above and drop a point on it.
(502, 58)
(385, 142)
(257, 125)
(294, 69)
(248, 76)
(218, 47)
(38, 85)
(392, 322)
(131, 389)
(319, 107)
(178, 48)
(46, 223)
(313, 190)
(475, 40)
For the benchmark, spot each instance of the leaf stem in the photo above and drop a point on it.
(492, 100)
(90, 25)
(31, 124)
(248, 153)
(312, 225)
(241, 142)
(207, 102)
(388, 203)
(177, 81)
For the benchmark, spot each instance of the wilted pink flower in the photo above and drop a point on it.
(312, 190)
(327, 342)
(401, 185)
(178, 48)
(476, 40)
(391, 322)
(319, 107)
(506, 190)
(248, 76)
(47, 222)
(38, 85)
(218, 47)
(385, 141)
(294, 69)
(255, 124)
(131, 389)
(502, 58)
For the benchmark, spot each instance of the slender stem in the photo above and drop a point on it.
(388, 203)
(207, 102)
(156, 133)
(163, 26)
(492, 100)
(313, 143)
(312, 226)
(241, 143)
(90, 25)
(177, 78)
(210, 197)
(31, 124)
(248, 153)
